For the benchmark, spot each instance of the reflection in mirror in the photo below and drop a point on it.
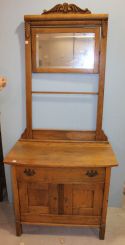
(65, 50)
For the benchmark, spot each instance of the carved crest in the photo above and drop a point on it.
(66, 8)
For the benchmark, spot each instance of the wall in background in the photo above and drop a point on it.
(12, 99)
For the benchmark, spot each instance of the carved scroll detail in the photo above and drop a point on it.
(27, 30)
(66, 8)
(104, 30)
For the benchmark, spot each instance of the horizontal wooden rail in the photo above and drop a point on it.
(61, 135)
(56, 92)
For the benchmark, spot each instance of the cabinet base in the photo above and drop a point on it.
(101, 229)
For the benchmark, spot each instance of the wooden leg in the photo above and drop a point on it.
(18, 228)
(102, 232)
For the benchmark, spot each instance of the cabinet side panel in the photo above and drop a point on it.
(106, 193)
(16, 201)
(15, 193)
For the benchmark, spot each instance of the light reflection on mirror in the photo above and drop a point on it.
(65, 50)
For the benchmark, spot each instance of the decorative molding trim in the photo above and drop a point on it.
(27, 30)
(104, 30)
(66, 8)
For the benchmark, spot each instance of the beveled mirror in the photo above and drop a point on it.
(65, 50)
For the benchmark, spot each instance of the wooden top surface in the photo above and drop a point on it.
(61, 154)
(66, 17)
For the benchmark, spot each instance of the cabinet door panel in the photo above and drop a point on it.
(83, 199)
(53, 198)
(38, 198)
(67, 199)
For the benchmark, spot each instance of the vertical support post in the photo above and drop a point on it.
(105, 204)
(99, 132)
(28, 80)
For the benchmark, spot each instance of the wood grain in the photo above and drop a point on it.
(28, 79)
(16, 202)
(66, 17)
(53, 198)
(105, 204)
(99, 134)
(61, 219)
(60, 175)
(63, 92)
(63, 23)
(63, 154)
(106, 192)
(43, 134)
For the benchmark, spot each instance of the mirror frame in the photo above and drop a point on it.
(73, 18)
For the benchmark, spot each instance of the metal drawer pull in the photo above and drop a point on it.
(92, 173)
(29, 172)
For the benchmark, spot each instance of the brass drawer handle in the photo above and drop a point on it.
(29, 172)
(92, 173)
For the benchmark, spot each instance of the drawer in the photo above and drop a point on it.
(60, 175)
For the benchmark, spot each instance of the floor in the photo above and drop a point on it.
(115, 232)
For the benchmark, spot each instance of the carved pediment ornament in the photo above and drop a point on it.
(66, 8)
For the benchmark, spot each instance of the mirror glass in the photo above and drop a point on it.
(65, 50)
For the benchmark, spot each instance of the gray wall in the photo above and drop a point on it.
(12, 99)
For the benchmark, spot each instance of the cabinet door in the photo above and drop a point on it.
(38, 198)
(83, 199)
(62, 199)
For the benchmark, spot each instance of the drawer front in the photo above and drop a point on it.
(60, 175)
